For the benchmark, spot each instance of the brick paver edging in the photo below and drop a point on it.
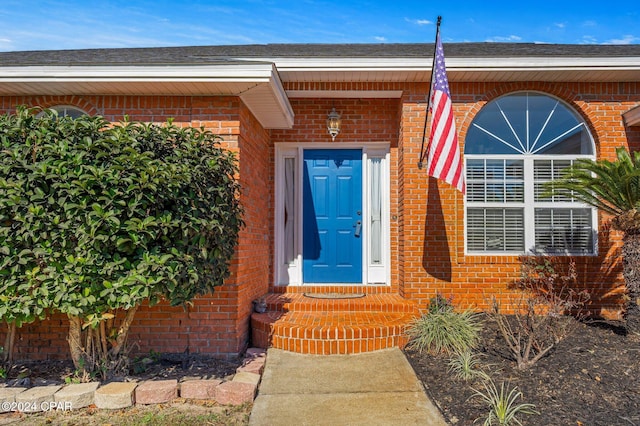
(115, 395)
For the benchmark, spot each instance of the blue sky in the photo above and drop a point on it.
(74, 24)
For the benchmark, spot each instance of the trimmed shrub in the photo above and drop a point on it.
(97, 218)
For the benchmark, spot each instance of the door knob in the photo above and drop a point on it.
(358, 227)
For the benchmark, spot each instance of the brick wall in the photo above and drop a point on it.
(363, 120)
(427, 227)
(427, 217)
(435, 260)
(254, 254)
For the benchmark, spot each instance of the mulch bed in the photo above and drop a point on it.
(591, 378)
(157, 366)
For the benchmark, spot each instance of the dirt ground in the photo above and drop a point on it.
(592, 378)
(144, 367)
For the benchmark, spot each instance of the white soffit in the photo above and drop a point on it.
(632, 117)
(257, 84)
(270, 103)
(460, 69)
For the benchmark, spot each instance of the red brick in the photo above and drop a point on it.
(156, 391)
(253, 365)
(199, 389)
(235, 393)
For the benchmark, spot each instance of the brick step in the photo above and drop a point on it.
(306, 325)
(296, 302)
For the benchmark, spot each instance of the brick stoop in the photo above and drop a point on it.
(297, 323)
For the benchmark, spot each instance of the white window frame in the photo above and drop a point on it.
(291, 273)
(529, 205)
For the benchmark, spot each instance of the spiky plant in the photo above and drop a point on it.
(444, 330)
(465, 366)
(614, 188)
(503, 407)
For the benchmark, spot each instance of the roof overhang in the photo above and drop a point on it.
(632, 117)
(260, 80)
(257, 84)
(461, 69)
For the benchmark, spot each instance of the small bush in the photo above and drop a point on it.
(442, 330)
(541, 319)
(503, 409)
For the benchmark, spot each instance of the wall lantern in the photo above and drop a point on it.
(333, 123)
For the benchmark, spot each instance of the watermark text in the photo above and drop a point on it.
(33, 406)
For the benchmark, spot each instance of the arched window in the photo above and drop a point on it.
(515, 144)
(66, 111)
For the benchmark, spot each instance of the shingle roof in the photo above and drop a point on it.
(235, 53)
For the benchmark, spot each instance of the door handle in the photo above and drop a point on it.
(358, 227)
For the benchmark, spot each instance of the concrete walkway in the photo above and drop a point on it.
(374, 388)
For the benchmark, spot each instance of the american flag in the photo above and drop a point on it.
(444, 158)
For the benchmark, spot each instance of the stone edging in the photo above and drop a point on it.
(115, 395)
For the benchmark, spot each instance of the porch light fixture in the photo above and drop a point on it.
(333, 123)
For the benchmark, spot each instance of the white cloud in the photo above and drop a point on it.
(6, 45)
(499, 39)
(589, 24)
(588, 39)
(380, 39)
(419, 21)
(560, 25)
(626, 39)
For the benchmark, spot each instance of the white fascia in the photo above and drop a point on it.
(256, 83)
(226, 73)
(455, 63)
(543, 63)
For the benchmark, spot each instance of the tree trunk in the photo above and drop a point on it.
(75, 342)
(104, 348)
(631, 273)
(123, 332)
(9, 342)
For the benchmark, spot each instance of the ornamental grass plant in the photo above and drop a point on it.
(466, 366)
(503, 407)
(443, 330)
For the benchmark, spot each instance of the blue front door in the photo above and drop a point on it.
(332, 215)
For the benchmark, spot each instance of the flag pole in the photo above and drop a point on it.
(426, 116)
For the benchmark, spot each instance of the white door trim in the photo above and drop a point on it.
(290, 273)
